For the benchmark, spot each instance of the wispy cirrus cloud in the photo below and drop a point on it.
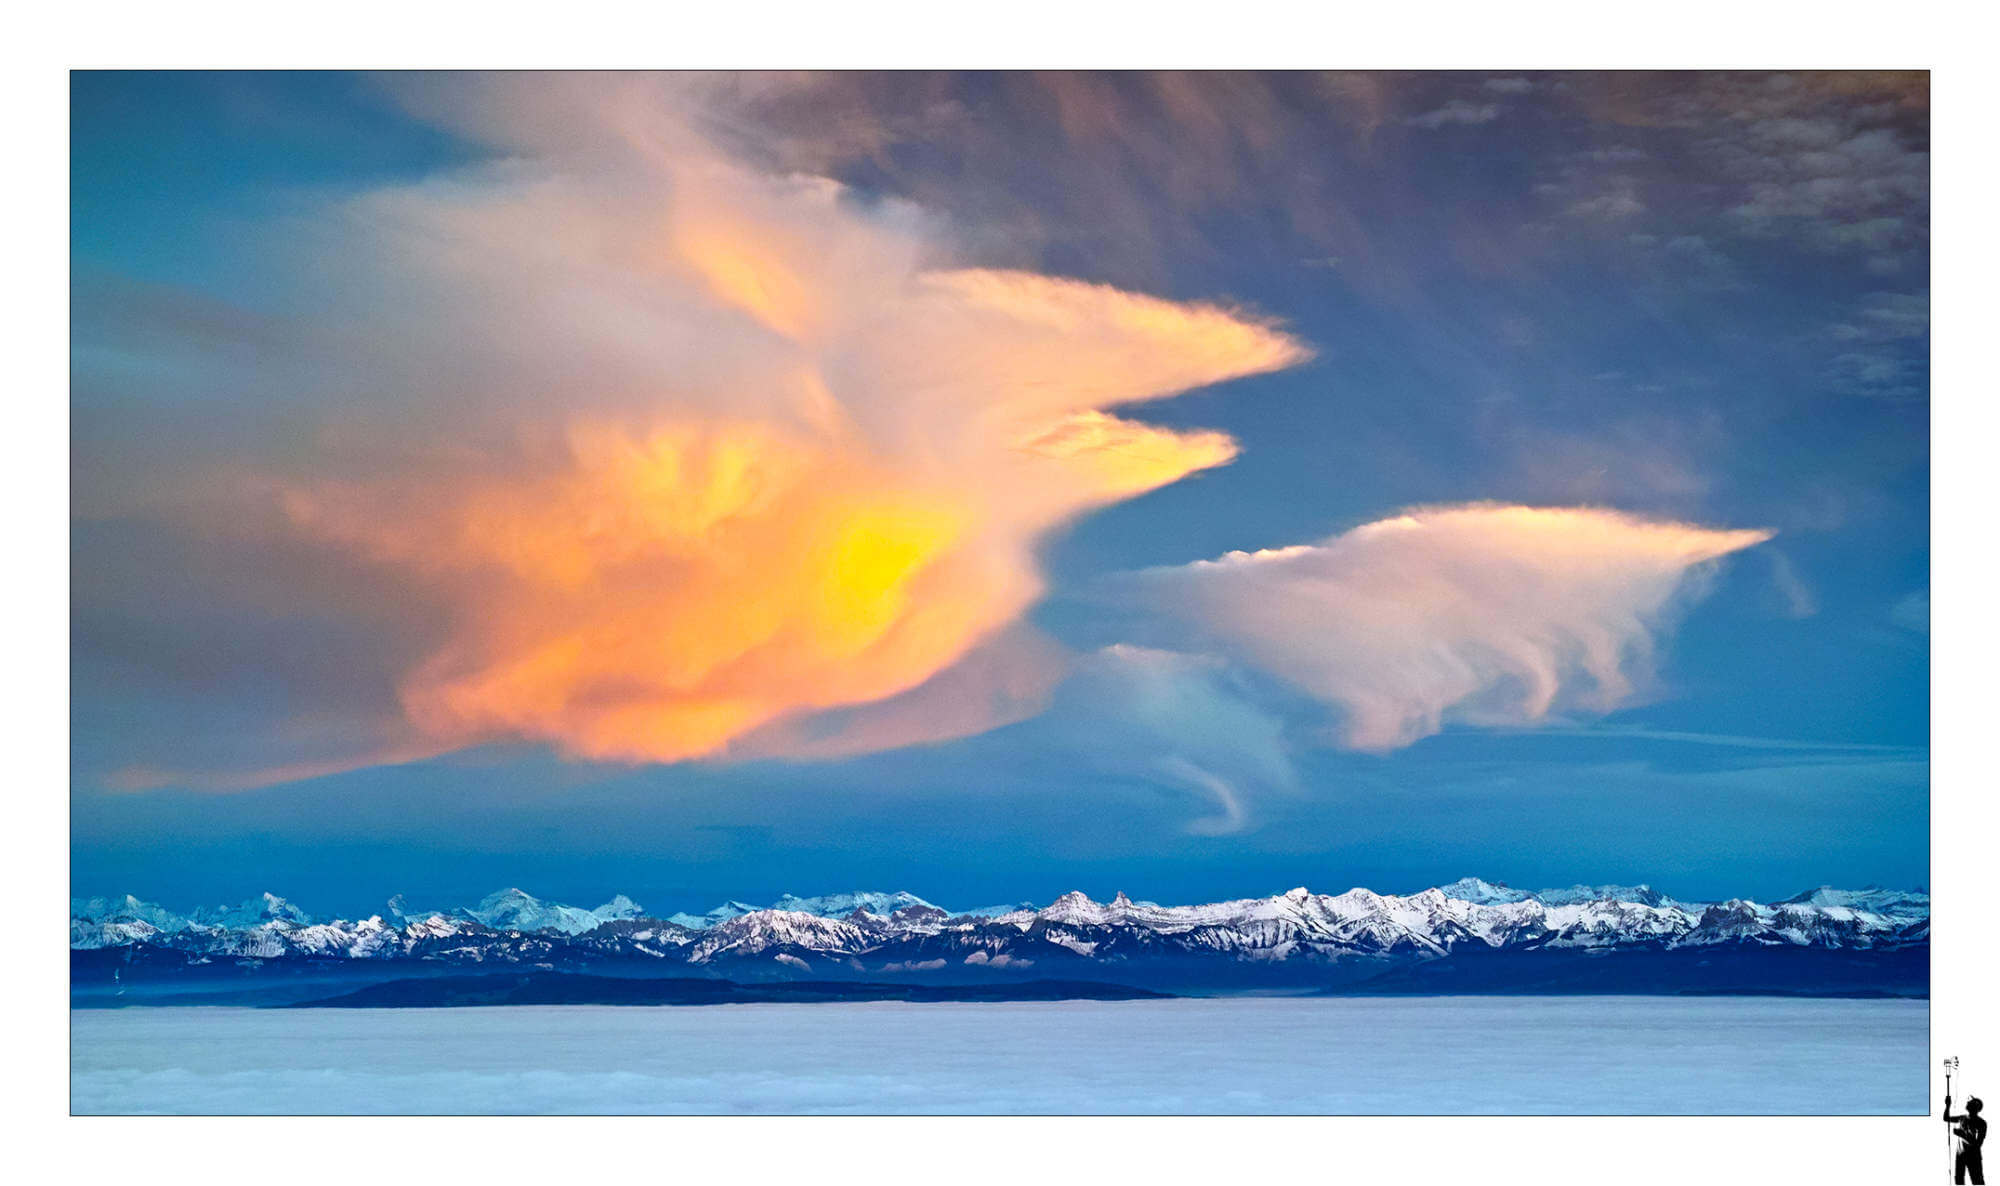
(1186, 722)
(1485, 613)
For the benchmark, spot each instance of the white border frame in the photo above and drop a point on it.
(47, 42)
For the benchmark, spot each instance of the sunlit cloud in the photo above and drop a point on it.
(664, 449)
(1488, 614)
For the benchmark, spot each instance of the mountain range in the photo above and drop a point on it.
(1471, 934)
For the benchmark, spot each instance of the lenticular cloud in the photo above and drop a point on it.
(1491, 614)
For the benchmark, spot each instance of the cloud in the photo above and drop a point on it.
(1833, 162)
(1888, 378)
(1009, 677)
(1114, 167)
(1797, 595)
(1886, 317)
(1882, 349)
(1177, 720)
(1489, 614)
(1697, 264)
(1913, 612)
(1824, 170)
(648, 449)
(1620, 199)
(1457, 111)
(1839, 161)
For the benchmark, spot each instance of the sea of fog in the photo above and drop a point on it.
(1587, 1055)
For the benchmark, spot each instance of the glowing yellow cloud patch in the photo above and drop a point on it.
(865, 587)
(1126, 458)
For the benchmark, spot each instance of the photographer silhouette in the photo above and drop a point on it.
(1971, 1134)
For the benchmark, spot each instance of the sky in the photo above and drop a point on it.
(705, 486)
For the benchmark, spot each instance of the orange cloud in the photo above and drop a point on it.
(676, 451)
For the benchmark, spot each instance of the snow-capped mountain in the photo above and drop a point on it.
(116, 922)
(1483, 893)
(1909, 905)
(264, 908)
(994, 911)
(125, 910)
(1645, 895)
(722, 913)
(1298, 934)
(842, 905)
(517, 910)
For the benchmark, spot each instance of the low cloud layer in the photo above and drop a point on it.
(1489, 614)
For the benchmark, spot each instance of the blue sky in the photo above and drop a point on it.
(1698, 300)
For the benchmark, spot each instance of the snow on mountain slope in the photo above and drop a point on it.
(1645, 895)
(1907, 905)
(901, 931)
(1607, 922)
(1797, 924)
(995, 911)
(517, 910)
(89, 934)
(437, 926)
(265, 908)
(619, 907)
(127, 909)
(768, 930)
(371, 938)
(1483, 893)
(842, 905)
(722, 913)
(402, 913)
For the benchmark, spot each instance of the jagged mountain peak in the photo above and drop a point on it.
(265, 909)
(514, 909)
(1895, 903)
(1643, 894)
(843, 904)
(619, 906)
(1484, 893)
